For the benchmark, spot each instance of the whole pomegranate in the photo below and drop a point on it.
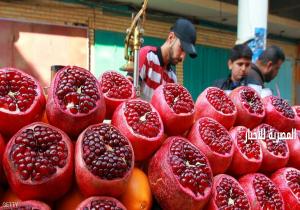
(140, 122)
(297, 116)
(38, 162)
(279, 113)
(180, 176)
(21, 100)
(25, 205)
(213, 102)
(104, 161)
(175, 106)
(227, 194)
(247, 155)
(250, 109)
(275, 152)
(288, 182)
(261, 192)
(101, 202)
(75, 100)
(294, 149)
(116, 89)
(212, 138)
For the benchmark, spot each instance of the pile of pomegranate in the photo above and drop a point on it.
(236, 151)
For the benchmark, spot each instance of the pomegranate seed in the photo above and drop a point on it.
(178, 98)
(103, 204)
(220, 101)
(190, 166)
(142, 119)
(249, 147)
(231, 196)
(267, 194)
(293, 179)
(106, 152)
(215, 136)
(251, 101)
(35, 153)
(283, 107)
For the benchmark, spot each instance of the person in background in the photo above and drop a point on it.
(239, 64)
(265, 69)
(156, 64)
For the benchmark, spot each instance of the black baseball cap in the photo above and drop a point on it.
(186, 32)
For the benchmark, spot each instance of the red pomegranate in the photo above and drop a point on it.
(101, 202)
(75, 100)
(140, 122)
(180, 176)
(21, 100)
(38, 162)
(261, 192)
(104, 161)
(294, 148)
(227, 194)
(250, 109)
(2, 148)
(213, 102)
(279, 113)
(212, 138)
(275, 152)
(30, 204)
(288, 182)
(116, 89)
(247, 155)
(297, 116)
(175, 106)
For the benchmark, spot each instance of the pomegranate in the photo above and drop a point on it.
(175, 106)
(101, 202)
(25, 205)
(75, 100)
(227, 194)
(213, 102)
(2, 148)
(140, 122)
(21, 100)
(261, 192)
(104, 161)
(294, 148)
(116, 89)
(279, 113)
(38, 162)
(288, 182)
(180, 176)
(247, 156)
(212, 138)
(297, 116)
(250, 109)
(275, 152)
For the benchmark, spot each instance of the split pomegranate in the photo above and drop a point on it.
(261, 192)
(275, 151)
(175, 106)
(213, 102)
(180, 176)
(227, 194)
(250, 109)
(104, 161)
(21, 100)
(247, 155)
(212, 138)
(297, 116)
(25, 205)
(75, 100)
(288, 182)
(38, 162)
(101, 202)
(294, 149)
(140, 122)
(116, 89)
(279, 113)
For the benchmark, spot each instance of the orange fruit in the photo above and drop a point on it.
(9, 196)
(71, 200)
(138, 195)
(44, 118)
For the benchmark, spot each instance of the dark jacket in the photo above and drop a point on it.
(255, 76)
(228, 84)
